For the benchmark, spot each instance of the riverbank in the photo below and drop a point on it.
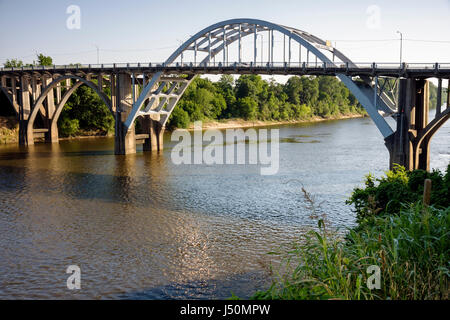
(9, 127)
(241, 123)
(9, 130)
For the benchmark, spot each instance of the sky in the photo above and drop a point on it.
(149, 31)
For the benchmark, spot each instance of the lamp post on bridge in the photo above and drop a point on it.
(98, 53)
(401, 47)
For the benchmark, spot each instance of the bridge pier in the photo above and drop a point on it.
(24, 110)
(125, 138)
(154, 132)
(409, 146)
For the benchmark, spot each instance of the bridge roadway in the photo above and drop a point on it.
(396, 70)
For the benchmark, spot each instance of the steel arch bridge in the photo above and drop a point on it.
(215, 40)
(151, 92)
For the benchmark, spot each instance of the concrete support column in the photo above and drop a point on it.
(155, 131)
(50, 100)
(422, 109)
(24, 110)
(112, 81)
(412, 121)
(49, 112)
(158, 135)
(125, 141)
(34, 88)
(14, 91)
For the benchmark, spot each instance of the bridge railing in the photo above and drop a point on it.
(292, 64)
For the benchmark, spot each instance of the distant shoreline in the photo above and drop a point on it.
(9, 131)
(241, 123)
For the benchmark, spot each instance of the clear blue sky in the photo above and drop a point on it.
(145, 31)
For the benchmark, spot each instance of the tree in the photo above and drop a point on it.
(89, 110)
(293, 88)
(248, 108)
(44, 60)
(13, 63)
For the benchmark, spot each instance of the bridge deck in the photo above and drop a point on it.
(389, 70)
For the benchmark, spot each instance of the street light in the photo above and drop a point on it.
(401, 47)
(98, 53)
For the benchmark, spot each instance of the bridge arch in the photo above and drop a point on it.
(424, 138)
(218, 37)
(53, 119)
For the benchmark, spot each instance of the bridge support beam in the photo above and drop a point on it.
(155, 131)
(125, 140)
(24, 110)
(404, 146)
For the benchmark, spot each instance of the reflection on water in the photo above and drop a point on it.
(141, 227)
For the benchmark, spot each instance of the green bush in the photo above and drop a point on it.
(411, 249)
(179, 119)
(68, 127)
(386, 195)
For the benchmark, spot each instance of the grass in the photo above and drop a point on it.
(411, 248)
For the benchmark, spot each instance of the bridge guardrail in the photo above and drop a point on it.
(275, 64)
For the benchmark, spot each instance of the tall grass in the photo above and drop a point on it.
(411, 248)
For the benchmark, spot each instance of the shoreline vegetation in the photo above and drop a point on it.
(399, 249)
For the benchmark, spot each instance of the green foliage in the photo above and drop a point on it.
(387, 194)
(13, 63)
(179, 119)
(68, 127)
(252, 98)
(411, 249)
(89, 110)
(434, 94)
(44, 60)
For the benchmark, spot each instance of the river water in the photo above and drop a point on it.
(140, 227)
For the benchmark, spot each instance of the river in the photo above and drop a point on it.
(140, 227)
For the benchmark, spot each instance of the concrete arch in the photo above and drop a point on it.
(429, 132)
(14, 105)
(54, 118)
(312, 43)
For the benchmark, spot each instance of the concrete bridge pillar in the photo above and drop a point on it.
(125, 141)
(412, 120)
(49, 104)
(152, 127)
(24, 110)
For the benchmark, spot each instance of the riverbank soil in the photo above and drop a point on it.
(9, 130)
(241, 123)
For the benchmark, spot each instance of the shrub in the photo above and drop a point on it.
(387, 194)
(179, 119)
(68, 127)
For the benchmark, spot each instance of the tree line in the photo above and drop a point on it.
(251, 98)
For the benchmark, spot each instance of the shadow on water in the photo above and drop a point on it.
(243, 286)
